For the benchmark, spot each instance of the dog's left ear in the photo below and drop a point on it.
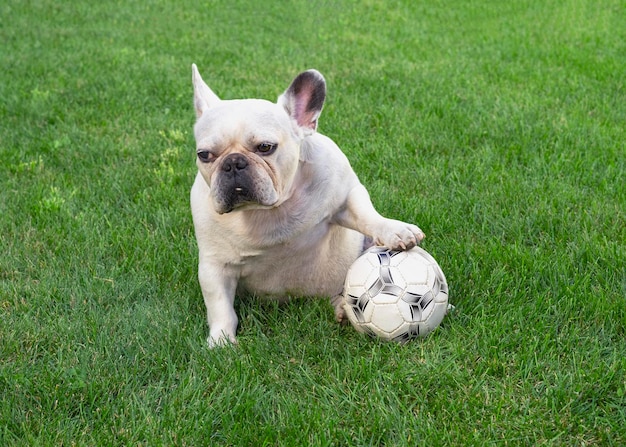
(304, 99)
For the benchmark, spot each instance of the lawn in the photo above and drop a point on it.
(497, 127)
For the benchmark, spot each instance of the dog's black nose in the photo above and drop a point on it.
(234, 162)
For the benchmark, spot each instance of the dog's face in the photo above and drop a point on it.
(248, 150)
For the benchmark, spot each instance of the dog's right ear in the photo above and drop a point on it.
(203, 96)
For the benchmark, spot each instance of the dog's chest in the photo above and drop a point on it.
(282, 277)
(301, 268)
(265, 275)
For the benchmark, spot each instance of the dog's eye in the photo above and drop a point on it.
(205, 156)
(266, 148)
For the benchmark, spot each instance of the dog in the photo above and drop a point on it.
(277, 209)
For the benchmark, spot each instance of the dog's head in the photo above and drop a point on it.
(249, 150)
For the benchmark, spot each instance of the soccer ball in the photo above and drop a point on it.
(395, 295)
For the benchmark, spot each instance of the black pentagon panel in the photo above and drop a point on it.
(416, 313)
(383, 258)
(427, 298)
(375, 288)
(402, 338)
(418, 307)
(439, 286)
(436, 285)
(389, 288)
(369, 331)
(351, 300)
(385, 274)
(392, 289)
(385, 255)
(410, 334)
(358, 305)
(443, 287)
(411, 298)
(385, 283)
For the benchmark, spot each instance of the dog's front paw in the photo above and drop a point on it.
(221, 338)
(397, 235)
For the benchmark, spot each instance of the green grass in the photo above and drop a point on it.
(498, 127)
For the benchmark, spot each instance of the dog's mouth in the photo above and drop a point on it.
(233, 198)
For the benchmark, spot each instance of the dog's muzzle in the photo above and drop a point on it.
(235, 184)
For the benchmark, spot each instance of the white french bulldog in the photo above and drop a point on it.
(276, 206)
